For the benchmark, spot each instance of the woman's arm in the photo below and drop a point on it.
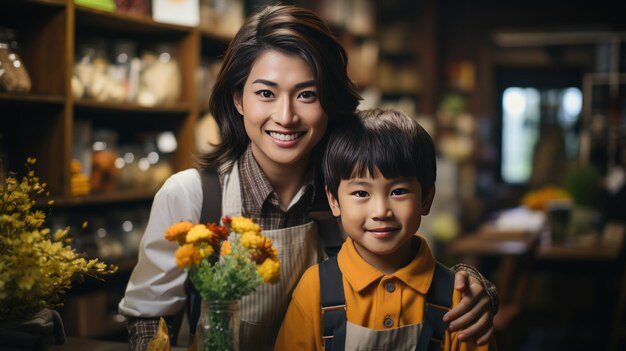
(156, 286)
(479, 303)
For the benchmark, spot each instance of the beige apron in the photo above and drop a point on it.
(398, 339)
(263, 311)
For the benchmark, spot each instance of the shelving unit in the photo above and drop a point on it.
(41, 123)
(48, 44)
(408, 53)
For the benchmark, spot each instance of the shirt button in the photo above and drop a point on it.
(388, 322)
(390, 287)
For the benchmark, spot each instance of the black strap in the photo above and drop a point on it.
(330, 234)
(333, 305)
(211, 212)
(438, 302)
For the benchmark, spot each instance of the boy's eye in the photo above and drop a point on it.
(266, 94)
(308, 95)
(399, 191)
(360, 193)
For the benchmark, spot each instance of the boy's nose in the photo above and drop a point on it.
(284, 114)
(380, 209)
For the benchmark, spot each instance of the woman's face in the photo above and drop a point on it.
(281, 110)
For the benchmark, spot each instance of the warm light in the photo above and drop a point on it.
(153, 157)
(127, 226)
(166, 142)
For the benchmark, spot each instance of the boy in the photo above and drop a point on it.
(384, 291)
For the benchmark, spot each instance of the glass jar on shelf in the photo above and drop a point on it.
(160, 80)
(104, 173)
(14, 77)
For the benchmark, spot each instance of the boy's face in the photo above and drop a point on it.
(381, 215)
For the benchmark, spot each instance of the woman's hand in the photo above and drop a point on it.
(473, 315)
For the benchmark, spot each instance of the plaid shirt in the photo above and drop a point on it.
(260, 202)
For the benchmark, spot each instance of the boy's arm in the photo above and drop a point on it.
(301, 328)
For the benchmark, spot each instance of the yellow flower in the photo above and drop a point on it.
(177, 231)
(187, 255)
(539, 199)
(225, 249)
(206, 251)
(199, 232)
(242, 225)
(250, 240)
(269, 270)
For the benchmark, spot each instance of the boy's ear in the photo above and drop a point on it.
(238, 102)
(428, 201)
(334, 204)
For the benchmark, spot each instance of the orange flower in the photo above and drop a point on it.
(178, 231)
(225, 250)
(187, 255)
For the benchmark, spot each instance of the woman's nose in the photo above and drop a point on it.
(284, 114)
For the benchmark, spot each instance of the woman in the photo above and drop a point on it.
(282, 86)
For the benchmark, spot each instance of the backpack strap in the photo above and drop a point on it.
(438, 302)
(333, 306)
(328, 226)
(211, 212)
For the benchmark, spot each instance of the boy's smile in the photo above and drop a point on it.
(381, 215)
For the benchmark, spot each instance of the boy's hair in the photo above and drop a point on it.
(291, 30)
(385, 140)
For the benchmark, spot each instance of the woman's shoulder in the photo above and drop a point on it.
(183, 182)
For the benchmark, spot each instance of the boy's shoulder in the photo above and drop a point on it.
(309, 283)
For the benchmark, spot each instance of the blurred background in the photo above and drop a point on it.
(526, 102)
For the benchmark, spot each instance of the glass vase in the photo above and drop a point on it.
(218, 326)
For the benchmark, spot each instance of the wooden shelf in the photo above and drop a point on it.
(209, 34)
(177, 108)
(123, 23)
(119, 196)
(31, 98)
(32, 4)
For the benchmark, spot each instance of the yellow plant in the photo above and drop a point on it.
(36, 266)
(540, 198)
(224, 267)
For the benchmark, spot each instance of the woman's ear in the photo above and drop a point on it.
(334, 204)
(428, 201)
(238, 102)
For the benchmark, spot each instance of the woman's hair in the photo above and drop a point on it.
(291, 30)
(387, 141)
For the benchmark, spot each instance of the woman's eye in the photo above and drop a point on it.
(399, 191)
(360, 193)
(266, 94)
(308, 95)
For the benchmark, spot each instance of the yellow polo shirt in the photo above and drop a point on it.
(371, 297)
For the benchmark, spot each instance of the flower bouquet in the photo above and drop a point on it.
(36, 266)
(224, 263)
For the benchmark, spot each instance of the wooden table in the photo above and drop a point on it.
(521, 254)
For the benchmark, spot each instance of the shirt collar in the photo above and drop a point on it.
(418, 274)
(259, 188)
